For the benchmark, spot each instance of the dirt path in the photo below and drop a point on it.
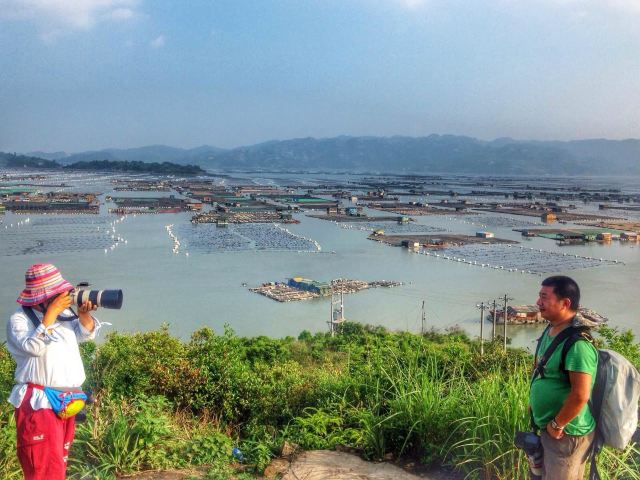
(329, 465)
(317, 465)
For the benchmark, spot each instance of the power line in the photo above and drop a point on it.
(495, 320)
(482, 308)
(506, 300)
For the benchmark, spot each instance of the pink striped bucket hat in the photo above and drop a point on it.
(42, 281)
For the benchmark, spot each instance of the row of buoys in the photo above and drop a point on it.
(471, 223)
(112, 247)
(176, 241)
(482, 225)
(19, 224)
(476, 263)
(349, 226)
(288, 232)
(118, 240)
(565, 254)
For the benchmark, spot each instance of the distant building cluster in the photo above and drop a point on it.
(25, 200)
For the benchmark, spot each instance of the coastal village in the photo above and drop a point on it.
(243, 214)
(213, 203)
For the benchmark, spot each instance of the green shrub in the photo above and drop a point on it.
(7, 368)
(150, 363)
(209, 448)
(621, 342)
(164, 403)
(9, 465)
(125, 436)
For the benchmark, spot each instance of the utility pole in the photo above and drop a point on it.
(424, 319)
(330, 322)
(495, 320)
(506, 303)
(337, 313)
(482, 308)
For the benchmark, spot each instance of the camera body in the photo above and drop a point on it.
(532, 446)
(101, 298)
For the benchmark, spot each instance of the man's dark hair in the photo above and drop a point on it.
(564, 287)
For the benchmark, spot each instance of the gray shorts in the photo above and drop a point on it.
(566, 458)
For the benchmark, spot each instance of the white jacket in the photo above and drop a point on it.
(48, 357)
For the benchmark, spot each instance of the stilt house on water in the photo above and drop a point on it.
(519, 314)
(524, 314)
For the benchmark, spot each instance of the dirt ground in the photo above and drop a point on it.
(320, 465)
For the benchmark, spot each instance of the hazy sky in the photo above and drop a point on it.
(88, 74)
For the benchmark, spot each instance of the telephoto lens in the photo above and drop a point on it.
(532, 446)
(102, 298)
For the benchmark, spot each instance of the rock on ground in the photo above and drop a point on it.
(329, 465)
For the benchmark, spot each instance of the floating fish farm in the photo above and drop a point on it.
(209, 238)
(517, 258)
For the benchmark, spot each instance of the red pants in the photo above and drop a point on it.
(43, 441)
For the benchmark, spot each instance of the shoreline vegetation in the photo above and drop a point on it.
(159, 168)
(163, 403)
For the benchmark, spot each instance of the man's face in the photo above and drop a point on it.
(551, 306)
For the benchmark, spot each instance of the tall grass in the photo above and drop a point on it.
(491, 413)
(9, 466)
(614, 465)
(441, 412)
(164, 403)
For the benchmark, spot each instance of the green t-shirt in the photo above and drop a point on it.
(548, 394)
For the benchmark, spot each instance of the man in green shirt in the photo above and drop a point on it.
(558, 400)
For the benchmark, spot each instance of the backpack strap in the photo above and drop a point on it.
(580, 333)
(596, 447)
(542, 361)
(535, 357)
(28, 311)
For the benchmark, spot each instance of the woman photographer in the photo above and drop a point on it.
(43, 337)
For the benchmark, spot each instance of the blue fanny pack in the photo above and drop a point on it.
(64, 404)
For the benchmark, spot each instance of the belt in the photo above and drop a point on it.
(62, 389)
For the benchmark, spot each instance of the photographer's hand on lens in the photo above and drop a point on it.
(87, 307)
(84, 314)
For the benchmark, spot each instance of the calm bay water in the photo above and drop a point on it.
(206, 289)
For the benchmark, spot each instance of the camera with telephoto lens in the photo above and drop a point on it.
(101, 298)
(532, 446)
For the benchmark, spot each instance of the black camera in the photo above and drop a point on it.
(102, 298)
(532, 446)
(528, 441)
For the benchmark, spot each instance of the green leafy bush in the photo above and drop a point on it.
(7, 367)
(164, 403)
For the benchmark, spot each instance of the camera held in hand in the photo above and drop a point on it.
(532, 446)
(101, 298)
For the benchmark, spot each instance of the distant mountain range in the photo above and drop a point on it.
(431, 154)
